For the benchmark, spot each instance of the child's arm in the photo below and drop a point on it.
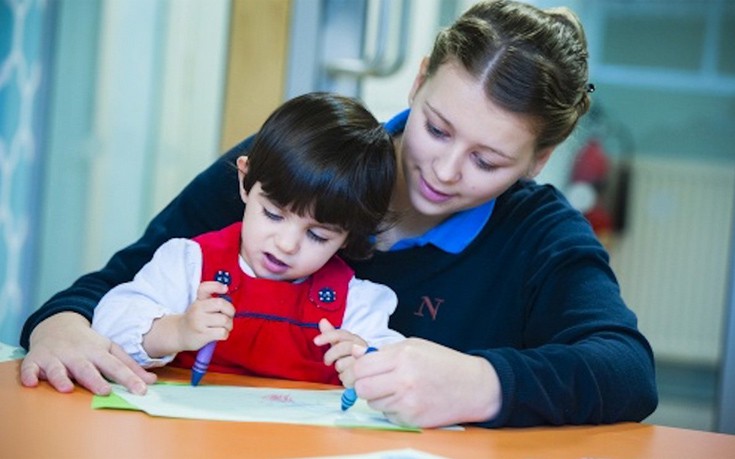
(368, 310)
(166, 285)
(209, 318)
(365, 323)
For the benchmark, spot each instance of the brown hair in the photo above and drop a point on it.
(327, 156)
(532, 62)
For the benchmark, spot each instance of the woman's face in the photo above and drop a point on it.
(458, 149)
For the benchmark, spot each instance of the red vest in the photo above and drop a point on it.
(275, 321)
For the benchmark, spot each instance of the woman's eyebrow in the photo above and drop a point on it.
(482, 146)
(438, 114)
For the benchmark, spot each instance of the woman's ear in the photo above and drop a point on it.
(539, 161)
(419, 80)
(242, 170)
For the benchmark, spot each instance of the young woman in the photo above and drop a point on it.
(513, 314)
(317, 180)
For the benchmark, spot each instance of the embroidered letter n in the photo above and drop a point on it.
(433, 307)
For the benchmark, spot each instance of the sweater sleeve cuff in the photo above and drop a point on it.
(52, 308)
(507, 386)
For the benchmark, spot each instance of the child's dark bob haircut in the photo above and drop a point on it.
(326, 156)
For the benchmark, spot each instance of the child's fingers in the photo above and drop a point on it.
(339, 350)
(325, 325)
(224, 307)
(211, 306)
(358, 350)
(344, 364)
(220, 321)
(208, 289)
(329, 334)
(216, 327)
(344, 371)
(333, 336)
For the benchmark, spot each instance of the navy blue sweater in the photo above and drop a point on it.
(533, 294)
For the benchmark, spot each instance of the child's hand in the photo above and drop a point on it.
(340, 353)
(208, 319)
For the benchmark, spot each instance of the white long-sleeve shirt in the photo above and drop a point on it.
(168, 285)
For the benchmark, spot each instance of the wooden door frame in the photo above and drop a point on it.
(256, 66)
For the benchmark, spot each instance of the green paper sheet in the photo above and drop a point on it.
(113, 402)
(248, 404)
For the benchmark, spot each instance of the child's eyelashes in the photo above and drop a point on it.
(316, 238)
(272, 215)
(311, 234)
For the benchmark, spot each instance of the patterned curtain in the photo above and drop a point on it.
(25, 36)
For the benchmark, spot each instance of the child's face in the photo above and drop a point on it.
(281, 245)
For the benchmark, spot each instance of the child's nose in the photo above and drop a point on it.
(288, 240)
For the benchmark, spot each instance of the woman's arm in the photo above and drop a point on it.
(538, 306)
(583, 359)
(63, 347)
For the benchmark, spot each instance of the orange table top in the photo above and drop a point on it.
(41, 423)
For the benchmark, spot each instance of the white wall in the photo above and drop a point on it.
(135, 118)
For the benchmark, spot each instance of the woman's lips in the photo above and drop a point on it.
(430, 194)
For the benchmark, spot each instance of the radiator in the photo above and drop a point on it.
(672, 259)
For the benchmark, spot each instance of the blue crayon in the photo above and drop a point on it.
(349, 396)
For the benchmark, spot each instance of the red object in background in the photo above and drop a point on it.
(600, 219)
(592, 167)
(591, 164)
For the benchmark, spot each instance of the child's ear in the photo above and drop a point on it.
(242, 170)
(242, 166)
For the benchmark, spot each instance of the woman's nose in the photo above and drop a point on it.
(447, 166)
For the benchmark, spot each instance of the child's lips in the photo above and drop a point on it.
(274, 265)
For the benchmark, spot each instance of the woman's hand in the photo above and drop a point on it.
(64, 348)
(420, 383)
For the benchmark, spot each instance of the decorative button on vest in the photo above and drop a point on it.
(223, 277)
(327, 295)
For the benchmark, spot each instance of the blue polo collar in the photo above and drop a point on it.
(455, 233)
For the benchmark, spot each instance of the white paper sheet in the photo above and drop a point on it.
(255, 404)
